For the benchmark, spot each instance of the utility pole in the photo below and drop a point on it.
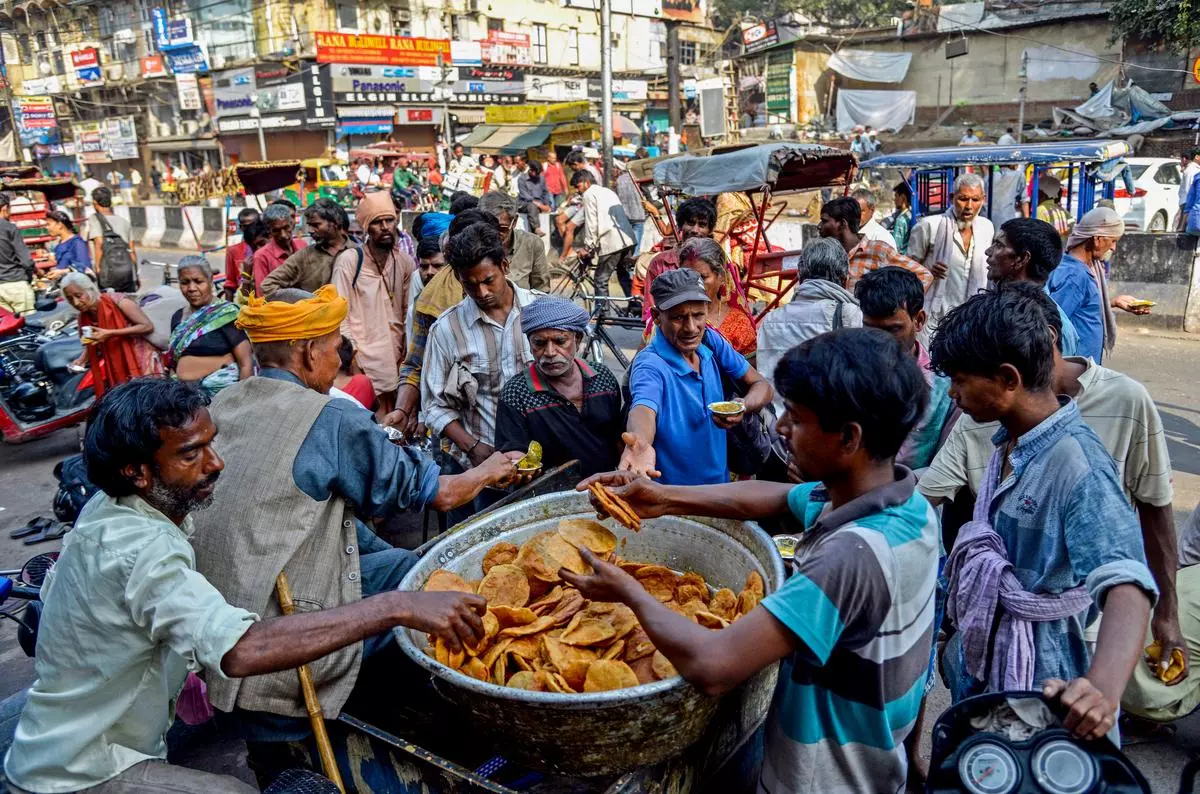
(606, 108)
(445, 89)
(256, 114)
(1024, 75)
(674, 108)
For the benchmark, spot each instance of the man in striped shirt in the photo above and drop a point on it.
(475, 347)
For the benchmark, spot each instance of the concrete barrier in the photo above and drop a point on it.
(137, 221)
(173, 233)
(1164, 268)
(156, 226)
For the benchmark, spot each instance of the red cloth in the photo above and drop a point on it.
(556, 183)
(269, 257)
(124, 357)
(234, 256)
(359, 387)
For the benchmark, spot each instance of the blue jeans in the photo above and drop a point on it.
(638, 228)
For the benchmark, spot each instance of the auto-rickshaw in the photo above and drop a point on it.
(1087, 170)
(323, 178)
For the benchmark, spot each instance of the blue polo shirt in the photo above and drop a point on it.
(689, 447)
(1075, 291)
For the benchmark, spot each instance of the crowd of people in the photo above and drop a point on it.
(928, 410)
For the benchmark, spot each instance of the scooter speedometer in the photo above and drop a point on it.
(1060, 767)
(989, 768)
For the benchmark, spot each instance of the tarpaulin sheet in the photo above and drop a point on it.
(871, 67)
(781, 166)
(883, 110)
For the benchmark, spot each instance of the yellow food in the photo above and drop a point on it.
(727, 407)
(1172, 670)
(542, 635)
(532, 459)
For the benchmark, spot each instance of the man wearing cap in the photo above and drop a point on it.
(674, 379)
(304, 470)
(374, 281)
(571, 408)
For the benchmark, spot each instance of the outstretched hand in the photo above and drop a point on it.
(457, 618)
(644, 496)
(638, 457)
(607, 582)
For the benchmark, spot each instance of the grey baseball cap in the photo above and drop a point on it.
(677, 286)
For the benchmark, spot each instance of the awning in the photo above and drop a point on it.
(478, 135)
(515, 138)
(469, 115)
(187, 145)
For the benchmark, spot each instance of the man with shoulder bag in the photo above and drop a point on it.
(111, 239)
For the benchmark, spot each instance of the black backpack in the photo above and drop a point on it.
(116, 260)
(74, 488)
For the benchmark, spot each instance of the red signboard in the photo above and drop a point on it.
(386, 50)
(86, 58)
(417, 115)
(154, 66)
(507, 48)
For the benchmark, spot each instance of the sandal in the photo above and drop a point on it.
(54, 531)
(34, 526)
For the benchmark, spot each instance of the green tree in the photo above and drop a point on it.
(840, 13)
(1172, 25)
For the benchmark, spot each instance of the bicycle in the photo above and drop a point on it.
(572, 279)
(597, 338)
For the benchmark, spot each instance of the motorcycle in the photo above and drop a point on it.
(41, 390)
(25, 583)
(1015, 743)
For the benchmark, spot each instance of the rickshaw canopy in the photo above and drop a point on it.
(779, 167)
(259, 178)
(54, 189)
(1054, 153)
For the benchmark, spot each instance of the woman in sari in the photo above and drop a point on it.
(114, 330)
(206, 347)
(725, 312)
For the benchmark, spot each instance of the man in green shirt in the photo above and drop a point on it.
(403, 180)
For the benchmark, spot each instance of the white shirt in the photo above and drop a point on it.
(873, 231)
(1006, 187)
(126, 617)
(464, 163)
(1006, 140)
(606, 227)
(1189, 174)
(967, 139)
(91, 183)
(363, 172)
(135, 177)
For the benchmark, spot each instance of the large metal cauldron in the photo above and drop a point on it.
(602, 733)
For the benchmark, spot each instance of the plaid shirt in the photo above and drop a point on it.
(871, 255)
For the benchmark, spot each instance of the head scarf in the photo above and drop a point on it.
(1100, 222)
(276, 321)
(373, 207)
(549, 312)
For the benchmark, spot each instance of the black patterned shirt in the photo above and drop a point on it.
(531, 410)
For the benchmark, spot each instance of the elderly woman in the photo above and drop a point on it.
(71, 252)
(114, 330)
(206, 347)
(571, 408)
(725, 312)
(1080, 283)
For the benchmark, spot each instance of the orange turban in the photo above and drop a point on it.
(276, 321)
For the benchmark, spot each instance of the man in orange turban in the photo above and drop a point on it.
(304, 472)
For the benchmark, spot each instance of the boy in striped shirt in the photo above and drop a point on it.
(854, 623)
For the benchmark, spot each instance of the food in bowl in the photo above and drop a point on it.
(541, 634)
(727, 408)
(533, 458)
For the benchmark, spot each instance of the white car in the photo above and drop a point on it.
(1155, 200)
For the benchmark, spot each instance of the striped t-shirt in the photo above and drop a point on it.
(860, 603)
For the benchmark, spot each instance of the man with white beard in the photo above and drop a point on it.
(953, 247)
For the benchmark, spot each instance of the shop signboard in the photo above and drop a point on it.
(170, 34)
(86, 63)
(385, 50)
(42, 85)
(189, 91)
(622, 90)
(562, 112)
(507, 49)
(544, 88)
(367, 84)
(489, 85)
(466, 53)
(154, 66)
(188, 59)
(285, 100)
(759, 36)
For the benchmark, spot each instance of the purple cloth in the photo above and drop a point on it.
(981, 581)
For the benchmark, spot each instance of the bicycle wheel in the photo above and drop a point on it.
(565, 283)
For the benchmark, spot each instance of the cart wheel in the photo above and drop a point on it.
(564, 283)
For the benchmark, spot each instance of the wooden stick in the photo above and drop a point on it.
(315, 714)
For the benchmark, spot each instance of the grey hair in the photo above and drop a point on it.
(705, 249)
(967, 180)
(494, 202)
(195, 261)
(276, 212)
(867, 197)
(290, 295)
(824, 259)
(82, 281)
